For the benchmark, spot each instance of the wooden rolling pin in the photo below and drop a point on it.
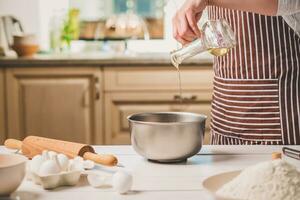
(34, 145)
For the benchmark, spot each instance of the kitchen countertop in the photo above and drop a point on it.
(161, 181)
(98, 59)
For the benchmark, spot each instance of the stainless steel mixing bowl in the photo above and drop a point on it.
(167, 136)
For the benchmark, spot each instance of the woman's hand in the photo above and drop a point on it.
(185, 28)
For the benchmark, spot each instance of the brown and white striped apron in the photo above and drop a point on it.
(257, 84)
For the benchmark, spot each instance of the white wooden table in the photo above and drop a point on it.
(160, 181)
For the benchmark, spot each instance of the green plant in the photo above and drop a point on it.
(70, 29)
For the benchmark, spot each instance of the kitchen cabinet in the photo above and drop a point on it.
(132, 90)
(2, 108)
(89, 103)
(56, 102)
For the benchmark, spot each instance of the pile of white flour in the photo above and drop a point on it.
(272, 180)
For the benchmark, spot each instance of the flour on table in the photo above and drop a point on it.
(273, 180)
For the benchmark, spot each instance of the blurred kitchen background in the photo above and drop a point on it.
(75, 69)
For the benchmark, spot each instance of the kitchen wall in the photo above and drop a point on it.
(28, 16)
(35, 15)
(35, 18)
(93, 9)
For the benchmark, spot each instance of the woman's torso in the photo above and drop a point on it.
(257, 84)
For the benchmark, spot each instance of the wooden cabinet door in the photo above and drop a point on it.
(61, 103)
(119, 105)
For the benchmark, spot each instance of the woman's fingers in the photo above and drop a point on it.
(185, 27)
(175, 33)
(182, 31)
(192, 21)
(181, 40)
(198, 16)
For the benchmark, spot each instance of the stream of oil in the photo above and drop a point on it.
(179, 85)
(213, 51)
(176, 65)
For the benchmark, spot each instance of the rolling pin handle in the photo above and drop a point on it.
(13, 144)
(104, 159)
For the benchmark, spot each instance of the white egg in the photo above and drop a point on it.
(70, 164)
(45, 155)
(49, 167)
(75, 166)
(52, 155)
(63, 161)
(55, 159)
(97, 180)
(78, 159)
(122, 181)
(35, 163)
(88, 164)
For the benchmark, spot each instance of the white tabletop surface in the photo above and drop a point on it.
(153, 181)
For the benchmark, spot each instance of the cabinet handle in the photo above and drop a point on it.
(97, 88)
(185, 97)
(177, 97)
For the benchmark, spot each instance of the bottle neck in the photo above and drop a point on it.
(190, 50)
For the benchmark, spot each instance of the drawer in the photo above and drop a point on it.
(119, 106)
(157, 78)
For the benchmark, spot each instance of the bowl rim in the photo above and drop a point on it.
(203, 118)
(20, 159)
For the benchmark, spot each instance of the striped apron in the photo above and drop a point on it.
(257, 84)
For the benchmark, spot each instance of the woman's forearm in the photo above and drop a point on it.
(264, 7)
